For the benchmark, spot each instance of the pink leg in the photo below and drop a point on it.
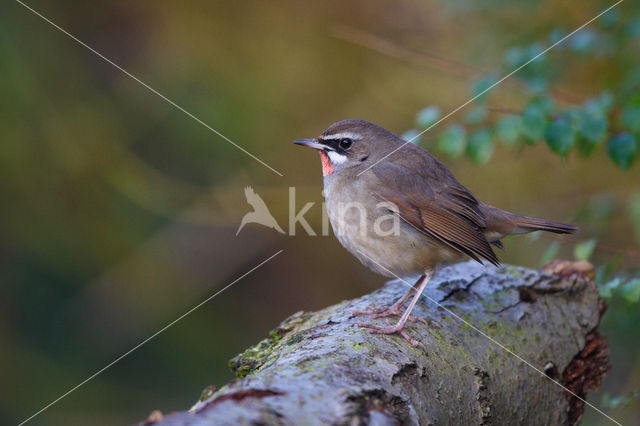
(394, 309)
(406, 316)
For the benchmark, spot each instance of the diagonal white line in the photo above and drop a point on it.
(494, 341)
(494, 84)
(148, 339)
(150, 88)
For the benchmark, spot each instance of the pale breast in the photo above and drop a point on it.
(377, 237)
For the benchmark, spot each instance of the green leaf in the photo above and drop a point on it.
(533, 124)
(411, 135)
(586, 148)
(606, 290)
(583, 41)
(426, 117)
(556, 35)
(452, 141)
(592, 130)
(536, 73)
(544, 103)
(610, 18)
(624, 400)
(514, 57)
(584, 250)
(599, 105)
(622, 150)
(631, 118)
(631, 290)
(560, 136)
(612, 401)
(550, 253)
(633, 29)
(574, 117)
(533, 236)
(476, 115)
(508, 130)
(534, 50)
(480, 88)
(537, 84)
(480, 146)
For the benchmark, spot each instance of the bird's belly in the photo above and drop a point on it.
(393, 250)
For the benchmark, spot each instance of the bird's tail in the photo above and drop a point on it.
(529, 224)
(501, 223)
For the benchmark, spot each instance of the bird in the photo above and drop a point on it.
(260, 213)
(369, 171)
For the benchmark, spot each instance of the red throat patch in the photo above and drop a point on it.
(327, 167)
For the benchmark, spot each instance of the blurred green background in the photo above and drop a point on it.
(119, 212)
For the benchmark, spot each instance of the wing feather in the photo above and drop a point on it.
(437, 205)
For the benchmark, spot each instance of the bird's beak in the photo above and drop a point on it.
(311, 143)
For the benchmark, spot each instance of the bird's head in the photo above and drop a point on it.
(351, 143)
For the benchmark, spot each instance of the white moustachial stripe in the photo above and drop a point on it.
(336, 158)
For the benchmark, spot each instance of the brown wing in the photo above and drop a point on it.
(438, 205)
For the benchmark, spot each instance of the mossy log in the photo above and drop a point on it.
(322, 368)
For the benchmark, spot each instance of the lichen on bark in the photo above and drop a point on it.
(321, 368)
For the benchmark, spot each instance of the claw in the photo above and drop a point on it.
(413, 318)
(392, 329)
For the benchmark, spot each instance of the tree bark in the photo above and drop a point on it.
(322, 368)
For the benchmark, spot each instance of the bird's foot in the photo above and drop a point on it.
(392, 329)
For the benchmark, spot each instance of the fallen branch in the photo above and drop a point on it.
(321, 368)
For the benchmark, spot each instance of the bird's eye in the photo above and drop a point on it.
(345, 143)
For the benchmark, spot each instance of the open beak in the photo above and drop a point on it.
(311, 143)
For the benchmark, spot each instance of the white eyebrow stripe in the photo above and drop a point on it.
(342, 135)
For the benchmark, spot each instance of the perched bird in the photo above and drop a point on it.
(371, 172)
(260, 213)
